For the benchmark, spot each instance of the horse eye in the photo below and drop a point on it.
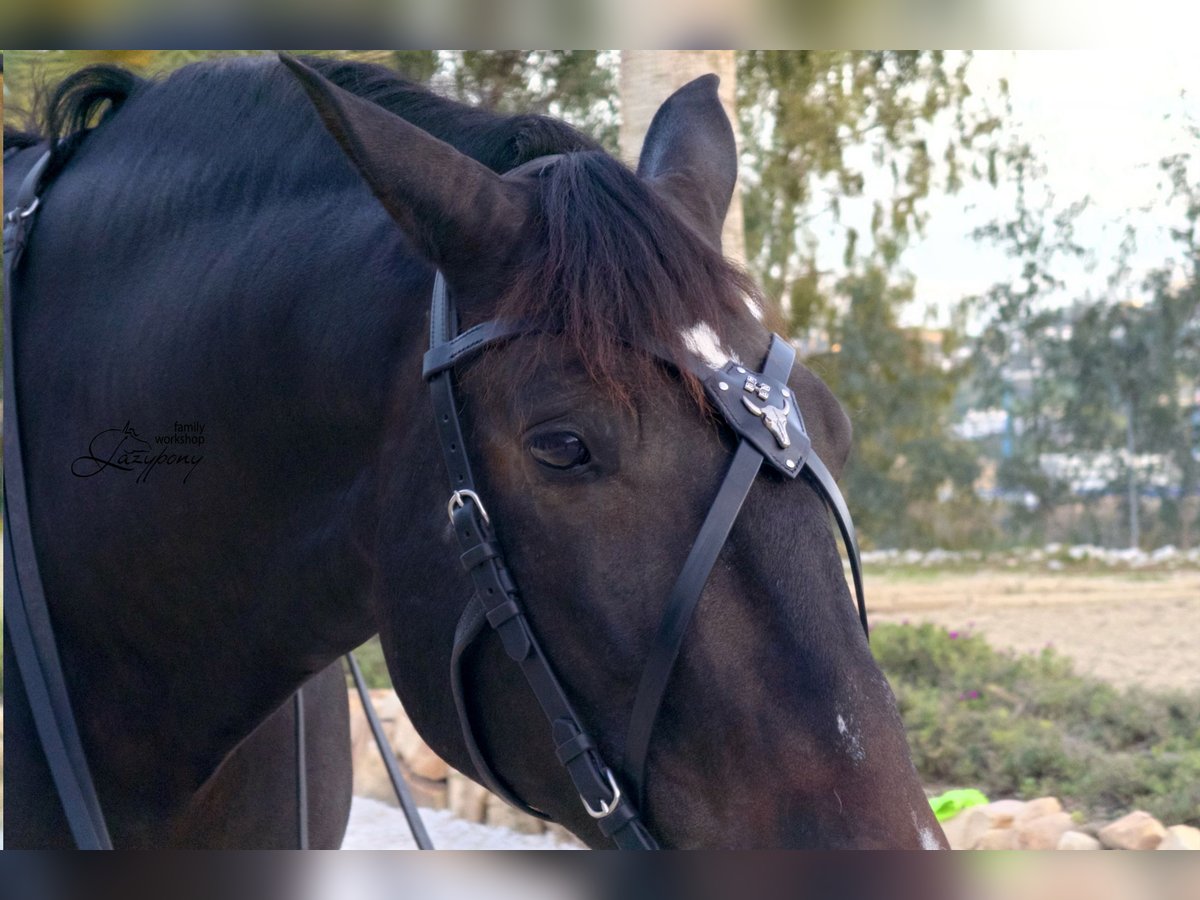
(559, 450)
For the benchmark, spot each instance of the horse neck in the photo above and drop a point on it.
(188, 611)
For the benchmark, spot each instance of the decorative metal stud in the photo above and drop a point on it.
(724, 386)
(774, 418)
(754, 386)
(791, 464)
(741, 371)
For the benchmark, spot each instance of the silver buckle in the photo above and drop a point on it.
(605, 808)
(19, 213)
(459, 499)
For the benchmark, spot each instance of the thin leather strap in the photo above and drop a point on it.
(681, 605)
(685, 595)
(501, 608)
(495, 591)
(19, 220)
(471, 625)
(301, 771)
(26, 615)
(441, 357)
(415, 824)
(821, 479)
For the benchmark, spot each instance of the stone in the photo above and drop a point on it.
(1044, 832)
(387, 704)
(499, 813)
(418, 758)
(1001, 813)
(1036, 809)
(425, 772)
(563, 836)
(1181, 837)
(965, 829)
(465, 798)
(1077, 840)
(1137, 831)
(998, 839)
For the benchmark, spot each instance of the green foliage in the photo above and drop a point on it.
(807, 117)
(1028, 726)
(374, 667)
(576, 85)
(815, 124)
(910, 482)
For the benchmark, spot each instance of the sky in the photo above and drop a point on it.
(1099, 121)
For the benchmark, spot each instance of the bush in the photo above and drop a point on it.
(1028, 726)
(1024, 725)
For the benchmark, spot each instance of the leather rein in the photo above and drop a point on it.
(764, 414)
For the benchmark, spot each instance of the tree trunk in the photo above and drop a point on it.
(648, 77)
(1135, 532)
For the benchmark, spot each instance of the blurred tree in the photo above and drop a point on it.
(576, 85)
(816, 123)
(1116, 374)
(648, 77)
(909, 481)
(1019, 349)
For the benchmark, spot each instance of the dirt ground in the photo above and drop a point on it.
(1128, 628)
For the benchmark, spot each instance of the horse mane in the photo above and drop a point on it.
(87, 97)
(611, 265)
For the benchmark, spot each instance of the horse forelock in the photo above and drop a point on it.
(611, 267)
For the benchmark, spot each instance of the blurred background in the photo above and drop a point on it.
(993, 259)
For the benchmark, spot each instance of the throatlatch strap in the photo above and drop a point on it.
(827, 488)
(26, 616)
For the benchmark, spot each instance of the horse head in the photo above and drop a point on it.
(598, 460)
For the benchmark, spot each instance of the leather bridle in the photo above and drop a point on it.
(763, 413)
(768, 431)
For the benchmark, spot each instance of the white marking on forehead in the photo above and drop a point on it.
(853, 742)
(702, 340)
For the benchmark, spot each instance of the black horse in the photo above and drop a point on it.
(208, 272)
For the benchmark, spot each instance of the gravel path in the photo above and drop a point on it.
(1135, 628)
(377, 826)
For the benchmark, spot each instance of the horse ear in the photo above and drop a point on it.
(691, 155)
(457, 212)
